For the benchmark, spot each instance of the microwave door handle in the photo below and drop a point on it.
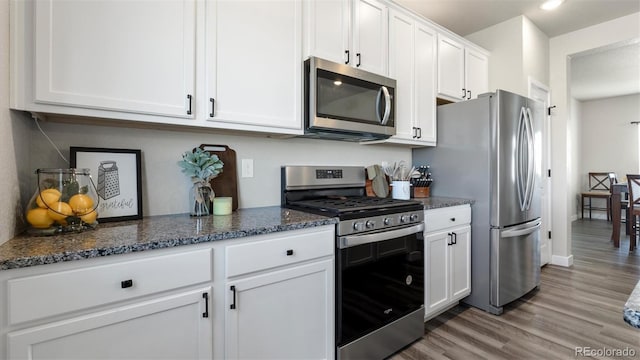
(378, 96)
(387, 105)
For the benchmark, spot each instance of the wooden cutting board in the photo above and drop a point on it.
(225, 184)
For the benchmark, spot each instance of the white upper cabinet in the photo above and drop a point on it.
(463, 72)
(254, 65)
(412, 63)
(370, 34)
(476, 72)
(450, 68)
(352, 32)
(327, 30)
(128, 56)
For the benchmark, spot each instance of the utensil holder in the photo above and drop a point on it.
(400, 190)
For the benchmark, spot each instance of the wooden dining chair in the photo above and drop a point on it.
(624, 202)
(634, 208)
(599, 188)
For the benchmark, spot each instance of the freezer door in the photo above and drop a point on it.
(515, 262)
(516, 165)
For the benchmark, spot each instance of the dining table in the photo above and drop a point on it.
(617, 190)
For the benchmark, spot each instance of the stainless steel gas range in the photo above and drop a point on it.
(379, 258)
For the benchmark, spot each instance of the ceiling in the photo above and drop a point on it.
(600, 73)
(464, 17)
(606, 72)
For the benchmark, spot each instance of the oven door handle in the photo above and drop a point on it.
(355, 240)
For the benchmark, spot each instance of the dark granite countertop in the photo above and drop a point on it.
(150, 233)
(435, 202)
(631, 312)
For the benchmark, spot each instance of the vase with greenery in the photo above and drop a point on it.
(201, 166)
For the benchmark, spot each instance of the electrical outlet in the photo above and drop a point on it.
(247, 168)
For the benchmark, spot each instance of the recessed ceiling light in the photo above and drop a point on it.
(551, 4)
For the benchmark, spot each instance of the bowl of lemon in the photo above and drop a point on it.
(66, 200)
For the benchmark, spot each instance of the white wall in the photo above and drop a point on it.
(14, 154)
(574, 144)
(165, 188)
(535, 54)
(609, 141)
(504, 41)
(519, 50)
(561, 48)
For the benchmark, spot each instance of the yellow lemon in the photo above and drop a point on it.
(39, 218)
(89, 218)
(59, 210)
(47, 197)
(81, 204)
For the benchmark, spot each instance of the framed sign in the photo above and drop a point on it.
(116, 175)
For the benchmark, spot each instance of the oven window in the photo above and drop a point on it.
(346, 98)
(378, 283)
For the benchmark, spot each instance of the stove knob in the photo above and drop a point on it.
(404, 218)
(358, 226)
(414, 217)
(387, 221)
(370, 224)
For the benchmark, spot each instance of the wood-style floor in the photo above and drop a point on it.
(576, 307)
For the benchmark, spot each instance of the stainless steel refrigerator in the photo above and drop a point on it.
(489, 150)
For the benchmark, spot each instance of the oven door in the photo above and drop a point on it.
(380, 279)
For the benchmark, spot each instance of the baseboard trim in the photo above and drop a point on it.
(565, 261)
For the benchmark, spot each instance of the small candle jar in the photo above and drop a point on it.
(222, 205)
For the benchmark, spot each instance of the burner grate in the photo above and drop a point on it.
(342, 204)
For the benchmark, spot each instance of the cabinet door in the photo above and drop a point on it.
(436, 271)
(254, 64)
(283, 314)
(171, 327)
(476, 73)
(130, 56)
(327, 29)
(370, 36)
(425, 83)
(450, 68)
(401, 68)
(460, 257)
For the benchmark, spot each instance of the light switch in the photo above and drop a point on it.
(247, 168)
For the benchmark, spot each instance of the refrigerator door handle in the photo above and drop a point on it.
(520, 232)
(522, 187)
(531, 159)
(525, 159)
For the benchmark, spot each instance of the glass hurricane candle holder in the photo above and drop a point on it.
(66, 200)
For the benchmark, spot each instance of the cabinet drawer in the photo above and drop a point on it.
(266, 254)
(40, 296)
(438, 219)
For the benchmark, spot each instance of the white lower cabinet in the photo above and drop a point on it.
(284, 314)
(172, 327)
(281, 304)
(447, 258)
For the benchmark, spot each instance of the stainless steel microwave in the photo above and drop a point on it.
(345, 103)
